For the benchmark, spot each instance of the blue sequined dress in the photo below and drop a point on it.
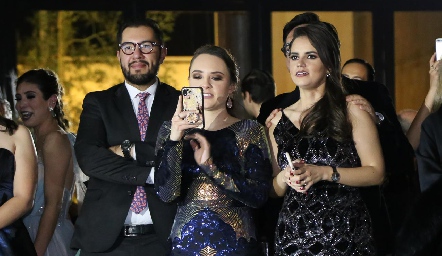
(331, 219)
(215, 202)
(14, 239)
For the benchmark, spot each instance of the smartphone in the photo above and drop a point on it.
(438, 48)
(287, 156)
(193, 100)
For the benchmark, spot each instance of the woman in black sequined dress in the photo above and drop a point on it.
(217, 174)
(335, 149)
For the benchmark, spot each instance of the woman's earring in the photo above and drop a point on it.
(229, 103)
(51, 109)
(327, 75)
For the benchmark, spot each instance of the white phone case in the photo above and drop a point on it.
(287, 156)
(438, 48)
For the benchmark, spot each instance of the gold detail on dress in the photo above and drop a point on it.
(208, 251)
(205, 192)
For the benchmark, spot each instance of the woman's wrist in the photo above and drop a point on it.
(280, 179)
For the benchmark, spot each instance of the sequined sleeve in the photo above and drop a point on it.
(246, 177)
(168, 165)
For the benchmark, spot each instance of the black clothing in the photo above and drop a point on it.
(388, 203)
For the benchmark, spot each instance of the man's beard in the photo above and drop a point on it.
(140, 79)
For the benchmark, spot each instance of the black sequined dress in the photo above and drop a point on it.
(215, 202)
(331, 219)
(14, 239)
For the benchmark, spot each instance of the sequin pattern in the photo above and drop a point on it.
(214, 213)
(331, 219)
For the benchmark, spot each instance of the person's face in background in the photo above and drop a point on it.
(306, 68)
(211, 73)
(355, 71)
(31, 106)
(140, 69)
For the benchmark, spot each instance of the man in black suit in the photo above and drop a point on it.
(429, 151)
(116, 150)
(389, 203)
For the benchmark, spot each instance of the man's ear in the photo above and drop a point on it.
(163, 54)
(247, 97)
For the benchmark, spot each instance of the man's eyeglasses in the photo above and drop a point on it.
(285, 49)
(146, 47)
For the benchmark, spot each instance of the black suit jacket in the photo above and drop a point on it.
(389, 203)
(429, 152)
(108, 119)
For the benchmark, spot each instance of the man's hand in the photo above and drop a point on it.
(363, 104)
(117, 150)
(271, 116)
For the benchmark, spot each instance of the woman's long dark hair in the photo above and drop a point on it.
(47, 82)
(10, 125)
(329, 114)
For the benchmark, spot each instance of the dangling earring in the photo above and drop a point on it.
(229, 103)
(51, 109)
(327, 75)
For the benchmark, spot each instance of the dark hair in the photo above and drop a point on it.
(10, 125)
(329, 114)
(260, 84)
(304, 19)
(368, 67)
(47, 82)
(139, 22)
(228, 59)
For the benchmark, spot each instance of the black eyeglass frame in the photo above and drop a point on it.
(139, 46)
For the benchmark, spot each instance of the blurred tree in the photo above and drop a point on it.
(80, 46)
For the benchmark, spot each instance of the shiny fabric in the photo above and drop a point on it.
(79, 177)
(139, 202)
(14, 239)
(61, 239)
(331, 219)
(214, 201)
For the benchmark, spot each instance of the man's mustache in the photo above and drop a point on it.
(139, 61)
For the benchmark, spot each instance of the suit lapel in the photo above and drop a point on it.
(159, 107)
(124, 105)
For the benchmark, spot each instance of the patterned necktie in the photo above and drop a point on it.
(139, 201)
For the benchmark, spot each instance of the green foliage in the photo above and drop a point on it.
(80, 46)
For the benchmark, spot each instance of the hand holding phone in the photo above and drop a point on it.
(438, 48)
(193, 100)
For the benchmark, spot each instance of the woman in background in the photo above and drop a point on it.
(18, 178)
(40, 108)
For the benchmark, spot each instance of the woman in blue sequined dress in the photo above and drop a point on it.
(218, 174)
(18, 178)
(335, 149)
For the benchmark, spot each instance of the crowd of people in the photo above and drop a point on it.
(326, 169)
